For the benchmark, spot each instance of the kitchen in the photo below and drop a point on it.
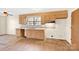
(45, 25)
(40, 26)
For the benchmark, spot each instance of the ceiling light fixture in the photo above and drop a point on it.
(5, 12)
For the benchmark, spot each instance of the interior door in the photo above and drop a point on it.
(2, 25)
(75, 29)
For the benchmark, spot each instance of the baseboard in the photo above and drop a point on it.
(54, 39)
(7, 34)
(2, 34)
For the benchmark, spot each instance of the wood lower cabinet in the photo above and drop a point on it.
(36, 34)
(75, 30)
(20, 32)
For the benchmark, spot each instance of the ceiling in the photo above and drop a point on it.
(18, 11)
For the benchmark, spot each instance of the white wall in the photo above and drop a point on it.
(12, 23)
(68, 26)
(59, 31)
(3, 25)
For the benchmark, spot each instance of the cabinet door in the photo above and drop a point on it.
(36, 34)
(42, 20)
(22, 19)
(61, 15)
(20, 32)
(47, 18)
(28, 33)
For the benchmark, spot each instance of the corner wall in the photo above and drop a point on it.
(12, 24)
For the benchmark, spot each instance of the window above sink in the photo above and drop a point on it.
(33, 21)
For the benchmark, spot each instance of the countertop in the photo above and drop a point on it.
(38, 28)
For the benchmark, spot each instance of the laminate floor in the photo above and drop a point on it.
(23, 44)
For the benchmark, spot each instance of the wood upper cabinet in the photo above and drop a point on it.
(22, 19)
(53, 16)
(75, 30)
(47, 18)
(61, 15)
